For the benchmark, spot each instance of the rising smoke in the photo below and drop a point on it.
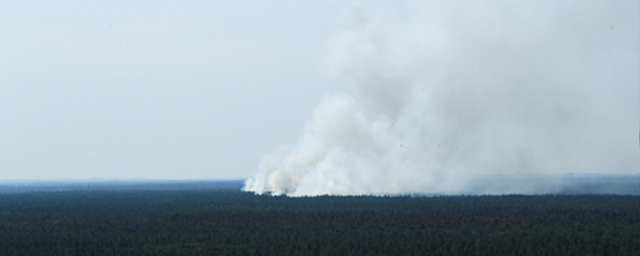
(454, 97)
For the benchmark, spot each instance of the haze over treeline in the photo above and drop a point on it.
(445, 95)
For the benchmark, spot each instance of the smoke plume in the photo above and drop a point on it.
(469, 98)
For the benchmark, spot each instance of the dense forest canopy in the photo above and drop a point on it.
(229, 222)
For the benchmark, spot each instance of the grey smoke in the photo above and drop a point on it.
(446, 96)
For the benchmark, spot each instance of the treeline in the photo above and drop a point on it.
(225, 222)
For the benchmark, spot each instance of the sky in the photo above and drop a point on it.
(157, 89)
(209, 89)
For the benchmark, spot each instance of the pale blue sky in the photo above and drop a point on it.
(168, 89)
(156, 89)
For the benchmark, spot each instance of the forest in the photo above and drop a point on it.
(230, 222)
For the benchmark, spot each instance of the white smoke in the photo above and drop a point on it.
(448, 96)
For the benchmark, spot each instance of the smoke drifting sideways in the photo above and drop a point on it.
(470, 98)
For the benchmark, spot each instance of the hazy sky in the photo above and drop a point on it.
(172, 89)
(156, 89)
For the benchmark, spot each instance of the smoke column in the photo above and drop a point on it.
(453, 97)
